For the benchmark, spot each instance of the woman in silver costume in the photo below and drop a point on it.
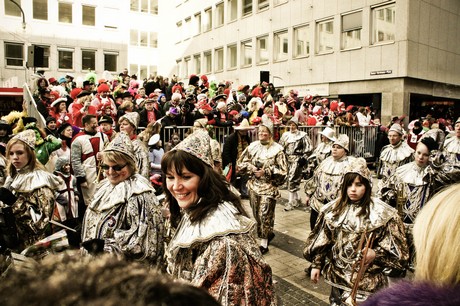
(28, 191)
(325, 184)
(343, 228)
(128, 124)
(213, 246)
(266, 162)
(297, 146)
(451, 146)
(124, 217)
(322, 151)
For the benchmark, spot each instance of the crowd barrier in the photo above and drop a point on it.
(362, 139)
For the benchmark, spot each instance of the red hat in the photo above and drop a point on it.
(334, 105)
(102, 81)
(349, 108)
(52, 80)
(55, 94)
(233, 112)
(206, 106)
(74, 93)
(204, 78)
(103, 87)
(227, 91)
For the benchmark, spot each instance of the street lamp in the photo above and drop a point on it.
(22, 12)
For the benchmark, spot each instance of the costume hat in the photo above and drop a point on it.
(133, 119)
(244, 125)
(57, 101)
(198, 145)
(343, 141)
(396, 127)
(154, 140)
(359, 166)
(328, 133)
(28, 137)
(105, 119)
(122, 144)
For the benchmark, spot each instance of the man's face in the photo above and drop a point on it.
(91, 126)
(106, 127)
(394, 137)
(104, 94)
(2, 132)
(457, 129)
(149, 106)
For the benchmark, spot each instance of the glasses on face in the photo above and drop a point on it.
(114, 168)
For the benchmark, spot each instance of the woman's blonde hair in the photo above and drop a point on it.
(119, 159)
(437, 238)
(33, 163)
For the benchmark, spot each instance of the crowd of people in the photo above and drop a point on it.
(95, 174)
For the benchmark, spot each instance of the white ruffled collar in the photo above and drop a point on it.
(28, 181)
(397, 153)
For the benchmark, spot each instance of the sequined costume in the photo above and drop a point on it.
(451, 149)
(263, 191)
(297, 147)
(391, 157)
(127, 217)
(142, 157)
(332, 246)
(219, 253)
(325, 184)
(34, 205)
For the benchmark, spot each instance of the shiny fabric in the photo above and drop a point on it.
(326, 182)
(141, 153)
(263, 210)
(34, 206)
(219, 254)
(297, 147)
(452, 149)
(128, 217)
(391, 157)
(332, 246)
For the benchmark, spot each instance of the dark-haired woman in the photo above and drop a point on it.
(333, 245)
(213, 246)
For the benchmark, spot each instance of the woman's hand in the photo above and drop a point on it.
(370, 256)
(314, 275)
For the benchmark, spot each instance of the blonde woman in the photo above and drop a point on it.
(437, 244)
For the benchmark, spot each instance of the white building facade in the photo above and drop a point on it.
(400, 56)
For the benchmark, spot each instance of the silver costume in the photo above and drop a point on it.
(128, 218)
(142, 157)
(391, 157)
(451, 149)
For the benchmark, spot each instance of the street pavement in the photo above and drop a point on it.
(292, 284)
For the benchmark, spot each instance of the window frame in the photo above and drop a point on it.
(83, 14)
(219, 59)
(59, 12)
(232, 56)
(197, 63)
(7, 57)
(243, 52)
(36, 13)
(219, 15)
(61, 61)
(249, 6)
(278, 46)
(11, 9)
(263, 5)
(375, 30)
(320, 37)
(295, 46)
(232, 9)
(351, 29)
(89, 51)
(206, 27)
(260, 49)
(207, 59)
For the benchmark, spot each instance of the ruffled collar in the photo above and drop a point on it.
(452, 144)
(332, 166)
(28, 181)
(223, 220)
(294, 136)
(393, 154)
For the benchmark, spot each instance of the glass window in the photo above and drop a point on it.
(197, 24)
(110, 61)
(281, 46)
(12, 9)
(153, 39)
(246, 53)
(142, 72)
(134, 5)
(325, 35)
(247, 7)
(231, 56)
(65, 12)
(88, 15)
(262, 50)
(88, 60)
(65, 59)
(207, 20)
(143, 39)
(188, 28)
(133, 69)
(219, 14)
(197, 64)
(301, 41)
(207, 62)
(14, 54)
(187, 66)
(46, 56)
(40, 9)
(133, 37)
(144, 6)
(154, 7)
(384, 23)
(219, 59)
(232, 9)
(351, 30)
(153, 70)
(263, 4)
(179, 31)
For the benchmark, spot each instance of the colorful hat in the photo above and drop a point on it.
(244, 125)
(58, 101)
(198, 145)
(83, 93)
(359, 166)
(173, 110)
(343, 141)
(133, 118)
(103, 88)
(28, 137)
(328, 133)
(122, 144)
(62, 80)
(396, 128)
(154, 139)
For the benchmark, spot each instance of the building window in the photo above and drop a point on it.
(188, 66)
(276, 2)
(110, 61)
(246, 53)
(65, 59)
(153, 40)
(143, 72)
(232, 9)
(11, 9)
(88, 15)
(153, 70)
(65, 12)
(207, 20)
(14, 54)
(46, 56)
(188, 28)
(325, 36)
(143, 39)
(197, 63)
(247, 7)
(262, 50)
(384, 21)
(40, 9)
(133, 37)
(301, 41)
(263, 4)
(88, 60)
(231, 56)
(197, 24)
(281, 46)
(207, 62)
(153, 7)
(351, 30)
(179, 31)
(219, 14)
(219, 59)
(133, 69)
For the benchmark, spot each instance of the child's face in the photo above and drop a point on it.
(66, 168)
(356, 190)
